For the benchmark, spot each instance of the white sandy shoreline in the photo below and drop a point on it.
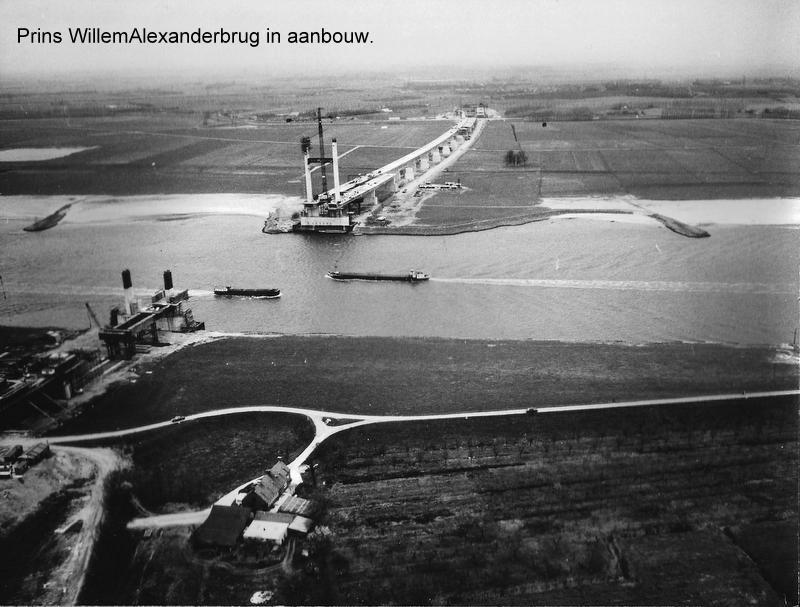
(111, 209)
(747, 211)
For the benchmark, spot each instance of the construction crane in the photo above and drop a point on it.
(93, 317)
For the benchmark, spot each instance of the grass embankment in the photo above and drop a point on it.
(413, 376)
(189, 464)
(603, 507)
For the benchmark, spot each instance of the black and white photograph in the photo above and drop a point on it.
(432, 302)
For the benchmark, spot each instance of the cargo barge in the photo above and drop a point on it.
(411, 276)
(262, 293)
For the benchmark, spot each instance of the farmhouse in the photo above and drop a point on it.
(263, 494)
(247, 519)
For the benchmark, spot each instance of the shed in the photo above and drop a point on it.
(222, 528)
(301, 524)
(269, 527)
(36, 453)
(10, 455)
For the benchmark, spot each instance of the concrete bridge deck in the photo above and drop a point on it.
(423, 157)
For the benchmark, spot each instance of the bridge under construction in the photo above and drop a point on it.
(334, 209)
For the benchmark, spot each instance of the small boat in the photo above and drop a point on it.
(262, 293)
(411, 276)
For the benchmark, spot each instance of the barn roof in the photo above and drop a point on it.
(280, 472)
(298, 505)
(269, 526)
(223, 526)
(301, 524)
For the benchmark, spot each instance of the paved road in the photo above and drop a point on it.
(323, 431)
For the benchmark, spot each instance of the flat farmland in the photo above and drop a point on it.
(565, 184)
(657, 159)
(485, 196)
(605, 507)
(158, 152)
(249, 155)
(395, 134)
(482, 160)
(167, 153)
(364, 159)
(643, 161)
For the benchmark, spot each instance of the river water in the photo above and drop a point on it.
(572, 279)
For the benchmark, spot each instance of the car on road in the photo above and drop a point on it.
(532, 411)
(178, 419)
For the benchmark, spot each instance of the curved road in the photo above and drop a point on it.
(323, 431)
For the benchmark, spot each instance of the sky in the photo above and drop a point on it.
(738, 35)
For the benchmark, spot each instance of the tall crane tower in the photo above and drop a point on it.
(322, 160)
(325, 212)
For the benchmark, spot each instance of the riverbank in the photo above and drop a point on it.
(533, 215)
(377, 375)
(366, 375)
(29, 341)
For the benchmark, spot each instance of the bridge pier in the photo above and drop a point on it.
(436, 158)
(446, 151)
(408, 173)
(309, 192)
(422, 163)
(371, 197)
(335, 156)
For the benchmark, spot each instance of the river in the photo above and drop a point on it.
(570, 279)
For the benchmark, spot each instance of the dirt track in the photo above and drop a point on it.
(66, 581)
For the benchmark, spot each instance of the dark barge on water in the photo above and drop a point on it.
(410, 276)
(262, 293)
